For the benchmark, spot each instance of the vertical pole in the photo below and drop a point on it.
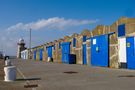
(30, 45)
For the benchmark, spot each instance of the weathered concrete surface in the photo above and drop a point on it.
(53, 78)
(1, 69)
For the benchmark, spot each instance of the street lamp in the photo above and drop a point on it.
(30, 45)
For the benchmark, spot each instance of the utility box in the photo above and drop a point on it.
(71, 59)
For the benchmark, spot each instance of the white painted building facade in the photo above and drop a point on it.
(24, 54)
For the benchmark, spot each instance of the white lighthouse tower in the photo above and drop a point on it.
(21, 47)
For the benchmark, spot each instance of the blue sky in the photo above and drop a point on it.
(52, 19)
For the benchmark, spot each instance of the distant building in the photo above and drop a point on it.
(25, 54)
(21, 47)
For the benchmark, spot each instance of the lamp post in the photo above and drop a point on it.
(30, 45)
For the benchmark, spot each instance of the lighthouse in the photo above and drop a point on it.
(20, 47)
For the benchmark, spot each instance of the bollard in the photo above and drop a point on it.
(50, 59)
(10, 73)
(8, 62)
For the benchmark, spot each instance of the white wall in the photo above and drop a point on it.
(122, 50)
(24, 54)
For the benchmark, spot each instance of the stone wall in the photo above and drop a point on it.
(99, 30)
(45, 55)
(58, 50)
(88, 44)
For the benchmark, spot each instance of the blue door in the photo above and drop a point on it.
(84, 51)
(35, 54)
(84, 54)
(65, 52)
(100, 51)
(130, 52)
(49, 51)
(41, 54)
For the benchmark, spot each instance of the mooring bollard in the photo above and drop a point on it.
(50, 59)
(10, 73)
(8, 62)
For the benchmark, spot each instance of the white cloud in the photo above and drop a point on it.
(51, 23)
(9, 39)
(7, 45)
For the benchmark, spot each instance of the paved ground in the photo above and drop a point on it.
(51, 76)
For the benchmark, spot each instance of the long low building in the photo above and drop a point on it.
(107, 46)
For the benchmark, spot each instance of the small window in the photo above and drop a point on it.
(84, 38)
(59, 45)
(54, 47)
(74, 42)
(121, 30)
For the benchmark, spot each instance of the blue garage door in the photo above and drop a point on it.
(35, 54)
(65, 52)
(41, 55)
(100, 51)
(130, 52)
(84, 54)
(49, 51)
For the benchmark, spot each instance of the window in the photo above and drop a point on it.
(74, 42)
(59, 45)
(121, 30)
(54, 47)
(84, 38)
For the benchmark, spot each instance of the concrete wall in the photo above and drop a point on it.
(57, 54)
(88, 44)
(45, 53)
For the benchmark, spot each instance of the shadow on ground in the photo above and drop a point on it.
(27, 79)
(127, 76)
